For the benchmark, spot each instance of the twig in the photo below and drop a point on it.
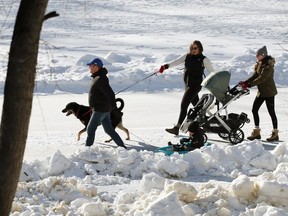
(50, 15)
(282, 47)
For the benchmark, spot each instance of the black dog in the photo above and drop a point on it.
(83, 113)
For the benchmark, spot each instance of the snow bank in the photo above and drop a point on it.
(74, 78)
(70, 185)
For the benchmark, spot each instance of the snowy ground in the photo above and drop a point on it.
(62, 177)
(146, 115)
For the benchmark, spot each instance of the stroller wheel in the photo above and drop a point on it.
(236, 136)
(205, 138)
(224, 136)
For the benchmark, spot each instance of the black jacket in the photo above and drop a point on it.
(194, 70)
(101, 95)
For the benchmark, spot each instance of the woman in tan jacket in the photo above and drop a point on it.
(263, 78)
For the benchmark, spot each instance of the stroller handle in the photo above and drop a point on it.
(238, 88)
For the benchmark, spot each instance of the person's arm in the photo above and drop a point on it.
(178, 61)
(265, 74)
(208, 65)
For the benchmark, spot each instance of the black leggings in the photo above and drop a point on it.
(190, 96)
(270, 104)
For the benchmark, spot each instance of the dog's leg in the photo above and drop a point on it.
(80, 132)
(121, 127)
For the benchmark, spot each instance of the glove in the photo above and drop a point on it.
(243, 84)
(163, 67)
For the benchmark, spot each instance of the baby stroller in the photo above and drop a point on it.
(227, 126)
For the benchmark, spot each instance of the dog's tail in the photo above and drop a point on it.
(121, 101)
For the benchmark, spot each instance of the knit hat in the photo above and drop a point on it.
(262, 51)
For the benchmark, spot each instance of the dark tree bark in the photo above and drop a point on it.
(18, 95)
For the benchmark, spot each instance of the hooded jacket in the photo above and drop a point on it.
(263, 77)
(101, 96)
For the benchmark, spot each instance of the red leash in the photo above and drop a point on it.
(89, 111)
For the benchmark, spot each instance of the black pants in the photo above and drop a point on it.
(270, 104)
(190, 96)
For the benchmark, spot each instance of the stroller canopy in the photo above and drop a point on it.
(218, 84)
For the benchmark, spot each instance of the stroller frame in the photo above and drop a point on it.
(224, 107)
(230, 124)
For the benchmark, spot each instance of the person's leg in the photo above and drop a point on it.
(195, 100)
(94, 122)
(255, 108)
(109, 129)
(190, 96)
(270, 104)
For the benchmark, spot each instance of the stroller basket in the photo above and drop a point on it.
(234, 122)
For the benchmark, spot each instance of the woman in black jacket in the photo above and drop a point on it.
(195, 63)
(102, 102)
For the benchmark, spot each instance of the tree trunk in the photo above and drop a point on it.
(18, 95)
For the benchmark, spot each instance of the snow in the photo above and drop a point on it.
(60, 176)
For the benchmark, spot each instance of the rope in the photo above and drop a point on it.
(136, 82)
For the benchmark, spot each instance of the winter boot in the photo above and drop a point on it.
(174, 130)
(255, 134)
(274, 136)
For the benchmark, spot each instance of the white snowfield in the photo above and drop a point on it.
(61, 176)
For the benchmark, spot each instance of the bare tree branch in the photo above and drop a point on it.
(50, 15)
(282, 47)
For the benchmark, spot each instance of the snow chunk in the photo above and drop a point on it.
(152, 181)
(281, 152)
(273, 192)
(78, 202)
(92, 209)
(186, 192)
(124, 158)
(168, 205)
(243, 187)
(273, 187)
(265, 161)
(58, 164)
(242, 153)
(28, 173)
(264, 209)
(173, 166)
(113, 57)
(87, 58)
(281, 173)
(124, 198)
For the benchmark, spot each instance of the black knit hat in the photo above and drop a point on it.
(262, 51)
